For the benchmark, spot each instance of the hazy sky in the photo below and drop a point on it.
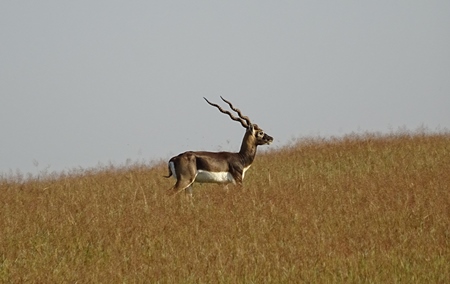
(89, 82)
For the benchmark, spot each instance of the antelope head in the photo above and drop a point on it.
(253, 130)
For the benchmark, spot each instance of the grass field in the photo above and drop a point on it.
(359, 209)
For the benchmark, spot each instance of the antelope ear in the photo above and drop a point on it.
(251, 128)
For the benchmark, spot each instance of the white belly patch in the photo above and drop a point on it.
(210, 177)
(214, 177)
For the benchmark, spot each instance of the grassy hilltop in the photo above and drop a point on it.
(357, 209)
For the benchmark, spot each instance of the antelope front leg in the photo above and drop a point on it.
(188, 192)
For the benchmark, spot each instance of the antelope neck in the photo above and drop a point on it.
(247, 152)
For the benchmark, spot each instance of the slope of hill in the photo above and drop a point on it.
(358, 209)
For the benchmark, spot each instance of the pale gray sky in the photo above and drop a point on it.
(89, 82)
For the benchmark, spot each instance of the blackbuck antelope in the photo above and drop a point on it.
(218, 167)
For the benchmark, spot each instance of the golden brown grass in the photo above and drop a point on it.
(358, 209)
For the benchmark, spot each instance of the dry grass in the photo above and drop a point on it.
(354, 210)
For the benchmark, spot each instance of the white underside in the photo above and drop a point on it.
(211, 177)
(214, 177)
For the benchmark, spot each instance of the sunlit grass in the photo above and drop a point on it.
(357, 209)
